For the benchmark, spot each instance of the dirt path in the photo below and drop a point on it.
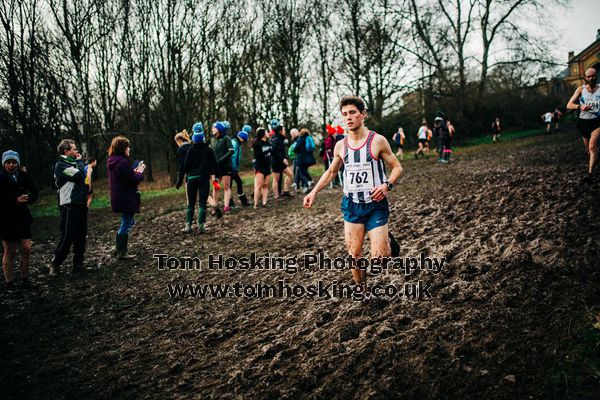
(511, 313)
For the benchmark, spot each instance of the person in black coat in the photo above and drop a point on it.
(262, 166)
(280, 164)
(304, 157)
(200, 167)
(16, 192)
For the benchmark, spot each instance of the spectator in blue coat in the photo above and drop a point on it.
(305, 146)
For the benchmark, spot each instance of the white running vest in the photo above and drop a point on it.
(362, 172)
(592, 99)
(422, 132)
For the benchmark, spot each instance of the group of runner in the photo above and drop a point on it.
(552, 117)
(443, 131)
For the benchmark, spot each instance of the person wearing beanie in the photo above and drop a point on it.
(123, 181)
(69, 176)
(223, 150)
(200, 167)
(236, 142)
(442, 133)
(227, 126)
(16, 192)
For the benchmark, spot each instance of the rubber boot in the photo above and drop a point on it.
(122, 240)
(231, 203)
(187, 228)
(243, 199)
(189, 214)
(53, 269)
(201, 216)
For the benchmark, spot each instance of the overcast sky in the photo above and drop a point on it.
(577, 26)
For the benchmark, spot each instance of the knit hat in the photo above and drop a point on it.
(243, 135)
(11, 155)
(274, 123)
(220, 127)
(198, 127)
(247, 129)
(227, 125)
(339, 130)
(198, 137)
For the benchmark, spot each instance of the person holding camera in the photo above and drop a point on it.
(123, 181)
(69, 176)
(16, 192)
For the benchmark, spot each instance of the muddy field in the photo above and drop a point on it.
(514, 313)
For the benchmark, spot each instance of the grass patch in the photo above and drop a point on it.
(47, 205)
(503, 137)
(576, 373)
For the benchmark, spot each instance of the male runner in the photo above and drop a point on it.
(496, 130)
(398, 139)
(586, 99)
(422, 137)
(547, 117)
(556, 118)
(365, 206)
(441, 131)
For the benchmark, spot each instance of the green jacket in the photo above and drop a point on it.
(223, 151)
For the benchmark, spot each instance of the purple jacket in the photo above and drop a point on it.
(123, 183)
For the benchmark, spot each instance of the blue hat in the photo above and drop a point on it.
(274, 123)
(243, 135)
(11, 155)
(220, 127)
(198, 137)
(198, 127)
(226, 124)
(247, 129)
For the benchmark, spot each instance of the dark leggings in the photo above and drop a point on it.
(304, 177)
(238, 181)
(197, 188)
(297, 173)
(448, 144)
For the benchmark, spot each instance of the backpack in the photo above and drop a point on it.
(310, 143)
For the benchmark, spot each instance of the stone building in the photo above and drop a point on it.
(587, 58)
